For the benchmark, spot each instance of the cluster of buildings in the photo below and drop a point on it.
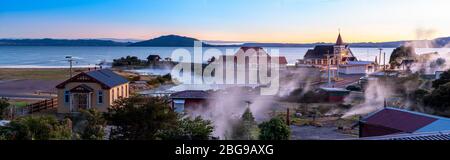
(100, 88)
(336, 58)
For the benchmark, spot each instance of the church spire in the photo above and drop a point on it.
(339, 40)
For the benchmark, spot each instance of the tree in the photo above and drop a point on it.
(245, 128)
(401, 53)
(3, 107)
(37, 128)
(419, 95)
(189, 129)
(94, 127)
(445, 78)
(275, 129)
(439, 98)
(140, 118)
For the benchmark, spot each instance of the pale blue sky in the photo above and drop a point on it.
(231, 20)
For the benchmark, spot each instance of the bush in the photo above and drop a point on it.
(439, 98)
(275, 129)
(246, 128)
(37, 128)
(129, 61)
(3, 107)
(445, 78)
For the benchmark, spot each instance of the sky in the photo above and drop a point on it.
(285, 21)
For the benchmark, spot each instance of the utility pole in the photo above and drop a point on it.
(70, 60)
(384, 61)
(381, 49)
(328, 68)
(336, 62)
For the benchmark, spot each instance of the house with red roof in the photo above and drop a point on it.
(391, 121)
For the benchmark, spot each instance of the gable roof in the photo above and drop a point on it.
(106, 77)
(407, 121)
(319, 52)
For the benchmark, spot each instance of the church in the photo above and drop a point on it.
(338, 53)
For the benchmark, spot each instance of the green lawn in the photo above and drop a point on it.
(19, 104)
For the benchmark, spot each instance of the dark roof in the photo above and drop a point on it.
(106, 77)
(190, 94)
(398, 119)
(339, 40)
(254, 48)
(319, 52)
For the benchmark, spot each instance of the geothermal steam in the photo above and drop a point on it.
(227, 106)
(375, 95)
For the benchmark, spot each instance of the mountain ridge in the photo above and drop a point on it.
(183, 41)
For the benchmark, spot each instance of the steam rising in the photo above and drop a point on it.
(227, 106)
(375, 95)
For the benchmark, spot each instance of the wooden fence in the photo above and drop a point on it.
(33, 108)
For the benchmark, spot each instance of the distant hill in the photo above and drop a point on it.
(181, 41)
(169, 41)
(59, 42)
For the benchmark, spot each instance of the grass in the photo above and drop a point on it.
(37, 74)
(19, 104)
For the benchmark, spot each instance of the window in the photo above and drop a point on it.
(113, 95)
(178, 106)
(123, 92)
(126, 90)
(66, 96)
(100, 97)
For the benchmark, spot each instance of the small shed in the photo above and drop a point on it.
(334, 95)
(189, 100)
(357, 67)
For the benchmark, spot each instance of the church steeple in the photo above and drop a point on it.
(339, 40)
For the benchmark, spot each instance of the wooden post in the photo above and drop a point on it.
(287, 117)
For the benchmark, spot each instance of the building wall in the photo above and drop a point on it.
(192, 104)
(120, 91)
(107, 96)
(357, 69)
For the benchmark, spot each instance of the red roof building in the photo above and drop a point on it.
(399, 121)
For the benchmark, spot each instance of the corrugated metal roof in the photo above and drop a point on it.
(403, 120)
(444, 135)
(107, 77)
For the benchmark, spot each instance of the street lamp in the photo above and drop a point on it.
(70, 60)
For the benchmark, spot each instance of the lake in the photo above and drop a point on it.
(54, 57)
